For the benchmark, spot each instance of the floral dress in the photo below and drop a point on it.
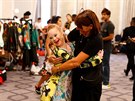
(58, 87)
(64, 87)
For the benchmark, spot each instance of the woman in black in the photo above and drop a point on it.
(128, 37)
(86, 78)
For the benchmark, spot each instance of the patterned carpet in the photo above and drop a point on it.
(20, 85)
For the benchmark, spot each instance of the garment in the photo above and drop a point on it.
(1, 33)
(34, 38)
(84, 90)
(130, 48)
(30, 40)
(64, 87)
(106, 29)
(12, 38)
(27, 36)
(59, 82)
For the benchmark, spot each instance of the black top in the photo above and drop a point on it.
(89, 45)
(128, 31)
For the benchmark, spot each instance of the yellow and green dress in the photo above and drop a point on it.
(60, 80)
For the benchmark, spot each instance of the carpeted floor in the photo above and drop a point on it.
(20, 85)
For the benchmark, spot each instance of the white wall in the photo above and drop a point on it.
(8, 8)
(25, 5)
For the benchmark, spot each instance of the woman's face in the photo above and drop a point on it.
(69, 18)
(85, 30)
(56, 37)
(59, 22)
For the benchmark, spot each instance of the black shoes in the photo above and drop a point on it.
(126, 73)
(37, 90)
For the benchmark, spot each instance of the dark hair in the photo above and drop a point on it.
(133, 21)
(39, 18)
(27, 13)
(55, 19)
(86, 18)
(48, 21)
(106, 11)
(73, 17)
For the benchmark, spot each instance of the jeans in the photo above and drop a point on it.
(106, 64)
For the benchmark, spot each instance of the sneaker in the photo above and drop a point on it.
(106, 86)
(37, 90)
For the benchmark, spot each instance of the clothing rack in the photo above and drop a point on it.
(10, 56)
(6, 19)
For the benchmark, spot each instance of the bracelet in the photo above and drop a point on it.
(58, 69)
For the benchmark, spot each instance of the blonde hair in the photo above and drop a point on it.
(51, 26)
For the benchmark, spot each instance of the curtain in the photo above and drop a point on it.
(129, 12)
(38, 9)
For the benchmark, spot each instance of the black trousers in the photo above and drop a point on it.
(131, 64)
(26, 59)
(83, 91)
(29, 56)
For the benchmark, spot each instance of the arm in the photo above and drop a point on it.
(110, 37)
(72, 63)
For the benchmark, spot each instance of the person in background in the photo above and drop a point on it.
(86, 78)
(56, 20)
(107, 32)
(38, 26)
(72, 26)
(67, 24)
(26, 65)
(26, 15)
(128, 35)
(69, 20)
